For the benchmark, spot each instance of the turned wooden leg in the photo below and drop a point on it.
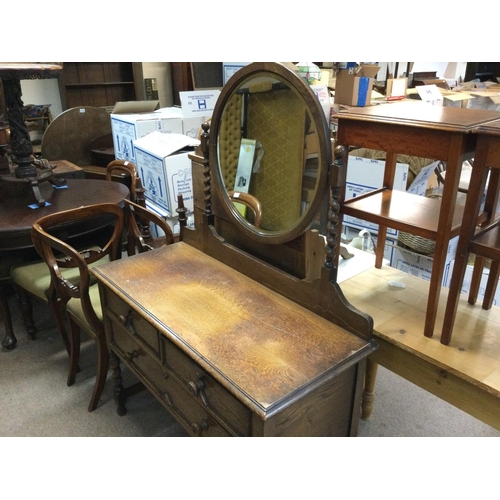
(118, 389)
(26, 311)
(10, 341)
(369, 391)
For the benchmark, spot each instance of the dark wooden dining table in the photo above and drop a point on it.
(17, 217)
(18, 212)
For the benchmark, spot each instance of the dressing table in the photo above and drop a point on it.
(241, 329)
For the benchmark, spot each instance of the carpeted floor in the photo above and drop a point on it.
(35, 400)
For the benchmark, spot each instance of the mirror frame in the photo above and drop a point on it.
(290, 77)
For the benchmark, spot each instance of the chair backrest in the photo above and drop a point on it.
(138, 222)
(123, 167)
(58, 254)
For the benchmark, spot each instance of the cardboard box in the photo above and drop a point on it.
(197, 107)
(126, 128)
(421, 265)
(323, 96)
(396, 88)
(365, 174)
(353, 86)
(484, 99)
(173, 222)
(467, 281)
(165, 169)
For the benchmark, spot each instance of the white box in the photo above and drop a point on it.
(198, 102)
(126, 128)
(197, 107)
(165, 169)
(323, 95)
(191, 126)
(467, 281)
(367, 174)
(421, 265)
(173, 222)
(484, 99)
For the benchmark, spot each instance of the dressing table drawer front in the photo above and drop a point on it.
(194, 418)
(131, 322)
(206, 390)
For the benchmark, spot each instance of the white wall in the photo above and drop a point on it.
(163, 74)
(42, 92)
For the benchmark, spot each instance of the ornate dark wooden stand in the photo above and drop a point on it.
(27, 175)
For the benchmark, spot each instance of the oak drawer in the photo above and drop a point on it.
(184, 407)
(132, 322)
(205, 389)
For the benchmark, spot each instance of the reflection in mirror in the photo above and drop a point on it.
(268, 148)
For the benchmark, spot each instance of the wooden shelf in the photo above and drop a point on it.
(403, 211)
(95, 84)
(100, 84)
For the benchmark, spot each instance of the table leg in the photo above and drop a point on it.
(368, 397)
(118, 389)
(10, 341)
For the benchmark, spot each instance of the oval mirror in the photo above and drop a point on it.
(269, 152)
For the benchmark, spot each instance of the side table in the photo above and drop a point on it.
(417, 129)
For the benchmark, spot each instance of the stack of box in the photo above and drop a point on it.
(126, 128)
(165, 170)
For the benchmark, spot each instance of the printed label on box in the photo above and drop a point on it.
(365, 175)
(165, 178)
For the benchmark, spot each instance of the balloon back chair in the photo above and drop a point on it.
(79, 297)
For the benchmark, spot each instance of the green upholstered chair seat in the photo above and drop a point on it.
(34, 277)
(7, 262)
(74, 307)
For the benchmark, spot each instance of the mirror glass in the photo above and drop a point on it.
(269, 149)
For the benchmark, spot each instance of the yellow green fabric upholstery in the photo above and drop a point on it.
(74, 307)
(34, 277)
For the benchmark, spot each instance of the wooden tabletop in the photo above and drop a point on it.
(419, 114)
(491, 128)
(257, 343)
(466, 373)
(16, 217)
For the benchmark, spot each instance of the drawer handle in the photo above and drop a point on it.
(199, 428)
(132, 355)
(197, 389)
(127, 321)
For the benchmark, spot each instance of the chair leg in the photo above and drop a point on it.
(26, 311)
(57, 311)
(102, 371)
(74, 351)
(491, 286)
(10, 341)
(477, 273)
